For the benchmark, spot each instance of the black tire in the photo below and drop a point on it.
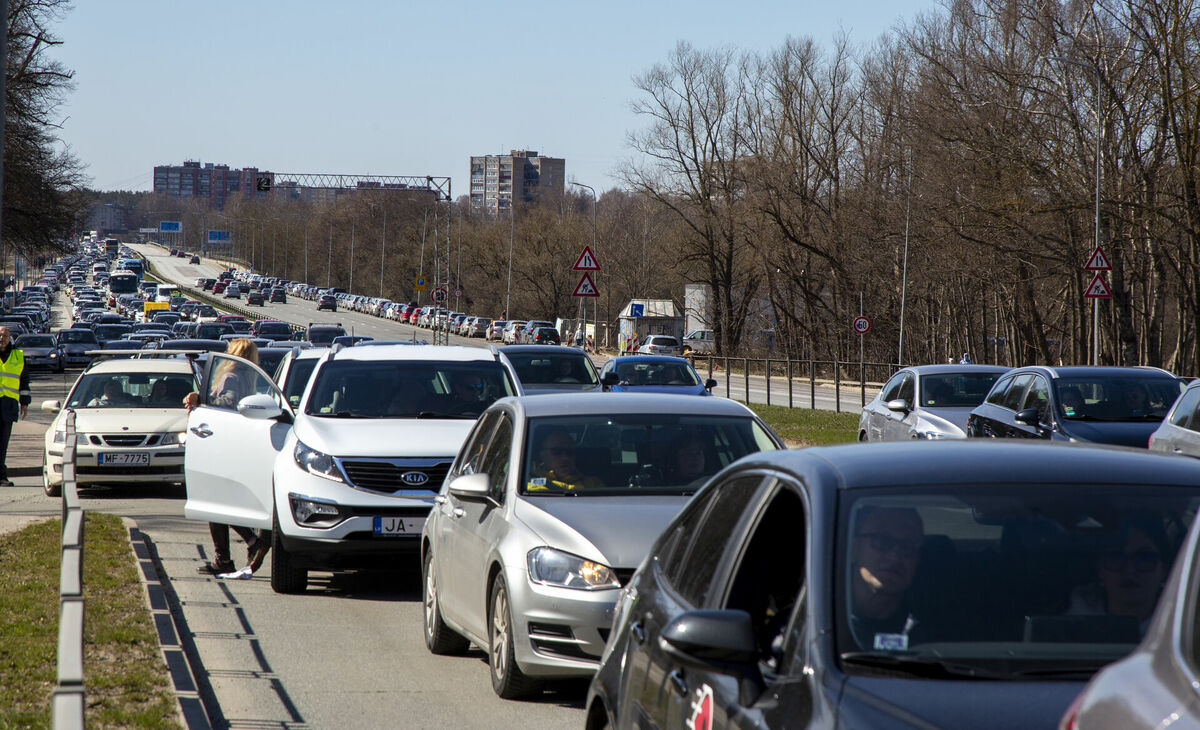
(508, 680)
(439, 638)
(50, 490)
(285, 577)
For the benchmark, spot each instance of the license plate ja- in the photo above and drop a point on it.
(399, 526)
(123, 458)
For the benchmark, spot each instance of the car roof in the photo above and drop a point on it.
(945, 368)
(1083, 371)
(649, 358)
(140, 365)
(570, 404)
(982, 463)
(452, 353)
(543, 349)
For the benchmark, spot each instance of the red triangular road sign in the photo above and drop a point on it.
(1098, 289)
(586, 287)
(1098, 261)
(586, 262)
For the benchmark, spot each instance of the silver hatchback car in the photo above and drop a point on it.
(550, 506)
(927, 402)
(1180, 430)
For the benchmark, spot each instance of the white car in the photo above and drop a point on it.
(346, 478)
(129, 423)
(660, 345)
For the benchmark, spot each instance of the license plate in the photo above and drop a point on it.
(124, 458)
(399, 526)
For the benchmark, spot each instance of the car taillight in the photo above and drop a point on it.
(1068, 719)
(1150, 442)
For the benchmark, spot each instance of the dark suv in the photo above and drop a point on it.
(322, 335)
(1108, 405)
(327, 301)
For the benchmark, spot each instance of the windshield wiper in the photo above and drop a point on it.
(343, 414)
(1083, 670)
(435, 414)
(919, 666)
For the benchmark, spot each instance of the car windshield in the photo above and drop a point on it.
(72, 337)
(1015, 579)
(567, 370)
(34, 341)
(656, 373)
(955, 390)
(131, 390)
(274, 328)
(1117, 398)
(651, 453)
(407, 389)
(323, 336)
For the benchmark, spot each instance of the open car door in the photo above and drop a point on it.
(233, 438)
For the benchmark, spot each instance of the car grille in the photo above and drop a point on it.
(386, 475)
(128, 439)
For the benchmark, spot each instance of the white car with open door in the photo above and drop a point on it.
(346, 478)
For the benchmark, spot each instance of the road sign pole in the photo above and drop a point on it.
(1096, 332)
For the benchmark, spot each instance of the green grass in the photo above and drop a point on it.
(124, 675)
(806, 427)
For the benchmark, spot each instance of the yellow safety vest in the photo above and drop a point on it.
(10, 375)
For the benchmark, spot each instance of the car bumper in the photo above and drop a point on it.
(350, 541)
(44, 362)
(559, 632)
(165, 467)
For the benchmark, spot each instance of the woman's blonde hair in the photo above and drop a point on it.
(241, 347)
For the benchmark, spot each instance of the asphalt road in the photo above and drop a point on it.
(349, 653)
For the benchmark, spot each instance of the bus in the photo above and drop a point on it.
(133, 265)
(112, 247)
(122, 282)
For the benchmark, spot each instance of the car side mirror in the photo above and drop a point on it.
(710, 384)
(1027, 417)
(260, 407)
(471, 487)
(716, 641)
(51, 406)
(609, 379)
(899, 405)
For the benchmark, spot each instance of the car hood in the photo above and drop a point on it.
(38, 351)
(384, 437)
(676, 389)
(948, 704)
(616, 531)
(1115, 433)
(76, 347)
(134, 420)
(950, 421)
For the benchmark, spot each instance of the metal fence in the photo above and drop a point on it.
(794, 383)
(69, 698)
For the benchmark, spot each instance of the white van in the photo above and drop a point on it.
(164, 292)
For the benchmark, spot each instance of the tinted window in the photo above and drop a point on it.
(907, 387)
(498, 457)
(656, 373)
(76, 336)
(131, 390)
(538, 369)
(1127, 396)
(1183, 414)
(955, 390)
(472, 452)
(1038, 396)
(996, 396)
(1016, 391)
(891, 388)
(34, 341)
(712, 534)
(383, 389)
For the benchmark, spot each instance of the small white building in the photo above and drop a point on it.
(644, 317)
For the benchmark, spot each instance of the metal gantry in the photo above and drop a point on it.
(337, 181)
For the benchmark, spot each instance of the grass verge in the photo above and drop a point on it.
(807, 427)
(124, 675)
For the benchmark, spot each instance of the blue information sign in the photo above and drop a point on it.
(218, 236)
(637, 310)
(170, 226)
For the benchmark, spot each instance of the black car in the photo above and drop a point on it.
(279, 294)
(1108, 405)
(255, 297)
(543, 369)
(928, 584)
(545, 336)
(322, 335)
(327, 301)
(194, 259)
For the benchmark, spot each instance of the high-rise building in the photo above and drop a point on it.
(215, 183)
(497, 180)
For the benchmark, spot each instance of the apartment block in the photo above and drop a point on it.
(213, 183)
(497, 180)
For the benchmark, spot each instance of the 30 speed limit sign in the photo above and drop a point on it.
(862, 325)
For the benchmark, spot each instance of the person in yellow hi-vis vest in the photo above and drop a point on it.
(14, 396)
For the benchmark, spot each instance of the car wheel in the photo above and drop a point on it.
(47, 487)
(508, 680)
(285, 577)
(439, 638)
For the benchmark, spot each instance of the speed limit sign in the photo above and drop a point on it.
(862, 325)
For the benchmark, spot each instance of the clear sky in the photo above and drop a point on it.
(392, 87)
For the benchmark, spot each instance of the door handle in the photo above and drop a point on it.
(678, 683)
(440, 499)
(638, 632)
(458, 512)
(203, 431)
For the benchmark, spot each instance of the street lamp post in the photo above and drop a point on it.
(511, 235)
(382, 249)
(595, 205)
(1095, 69)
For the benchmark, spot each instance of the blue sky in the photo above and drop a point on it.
(393, 87)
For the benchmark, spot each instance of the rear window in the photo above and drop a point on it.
(538, 369)
(656, 373)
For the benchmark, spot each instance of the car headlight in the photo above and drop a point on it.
(933, 435)
(60, 437)
(556, 568)
(173, 438)
(315, 462)
(313, 512)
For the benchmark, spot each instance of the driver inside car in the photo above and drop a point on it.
(554, 466)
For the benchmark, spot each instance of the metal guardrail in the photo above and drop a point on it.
(813, 373)
(67, 710)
